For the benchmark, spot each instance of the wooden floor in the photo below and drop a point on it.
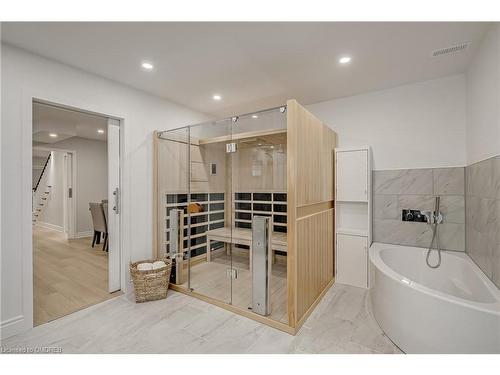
(68, 275)
(210, 279)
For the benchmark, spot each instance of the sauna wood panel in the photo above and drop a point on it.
(173, 171)
(199, 172)
(196, 156)
(314, 258)
(259, 170)
(291, 171)
(310, 185)
(314, 158)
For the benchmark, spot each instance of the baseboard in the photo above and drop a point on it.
(89, 233)
(45, 225)
(12, 326)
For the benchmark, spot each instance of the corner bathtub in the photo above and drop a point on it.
(452, 309)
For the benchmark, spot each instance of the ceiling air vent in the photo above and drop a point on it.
(451, 49)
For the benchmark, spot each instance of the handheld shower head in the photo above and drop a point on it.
(437, 218)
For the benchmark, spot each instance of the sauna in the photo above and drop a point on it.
(245, 208)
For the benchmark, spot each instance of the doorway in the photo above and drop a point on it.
(76, 208)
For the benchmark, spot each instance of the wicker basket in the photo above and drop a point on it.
(151, 285)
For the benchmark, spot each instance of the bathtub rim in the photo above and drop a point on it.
(490, 308)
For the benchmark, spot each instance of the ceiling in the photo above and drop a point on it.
(65, 123)
(253, 65)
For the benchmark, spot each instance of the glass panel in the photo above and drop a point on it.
(172, 198)
(259, 188)
(209, 223)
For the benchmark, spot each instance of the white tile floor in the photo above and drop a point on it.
(341, 323)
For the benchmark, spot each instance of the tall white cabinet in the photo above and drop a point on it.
(352, 214)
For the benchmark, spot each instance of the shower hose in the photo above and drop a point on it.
(435, 237)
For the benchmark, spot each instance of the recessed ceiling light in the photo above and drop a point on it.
(345, 60)
(53, 135)
(255, 116)
(216, 97)
(100, 131)
(147, 65)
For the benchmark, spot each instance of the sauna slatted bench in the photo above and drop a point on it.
(240, 236)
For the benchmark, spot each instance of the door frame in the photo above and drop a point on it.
(29, 97)
(69, 205)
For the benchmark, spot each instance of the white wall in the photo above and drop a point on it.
(420, 125)
(483, 100)
(91, 176)
(23, 74)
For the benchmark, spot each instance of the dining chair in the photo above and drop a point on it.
(98, 221)
(104, 206)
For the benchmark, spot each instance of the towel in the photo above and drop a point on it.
(144, 266)
(158, 264)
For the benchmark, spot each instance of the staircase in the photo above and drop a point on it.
(41, 203)
(40, 195)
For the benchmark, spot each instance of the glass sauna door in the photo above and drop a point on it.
(208, 222)
(258, 175)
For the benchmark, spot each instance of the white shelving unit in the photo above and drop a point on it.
(353, 201)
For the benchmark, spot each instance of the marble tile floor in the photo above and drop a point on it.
(341, 323)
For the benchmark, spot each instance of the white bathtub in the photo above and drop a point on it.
(452, 309)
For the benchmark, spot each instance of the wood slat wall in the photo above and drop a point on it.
(314, 258)
(310, 184)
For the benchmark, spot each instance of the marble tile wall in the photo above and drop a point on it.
(395, 190)
(483, 216)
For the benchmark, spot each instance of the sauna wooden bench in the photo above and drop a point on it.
(240, 236)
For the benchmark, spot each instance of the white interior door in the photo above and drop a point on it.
(114, 208)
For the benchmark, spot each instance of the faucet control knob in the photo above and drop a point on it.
(438, 217)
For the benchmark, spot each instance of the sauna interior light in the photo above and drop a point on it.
(100, 131)
(216, 97)
(147, 65)
(53, 135)
(345, 60)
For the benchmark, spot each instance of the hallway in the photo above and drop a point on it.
(68, 275)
